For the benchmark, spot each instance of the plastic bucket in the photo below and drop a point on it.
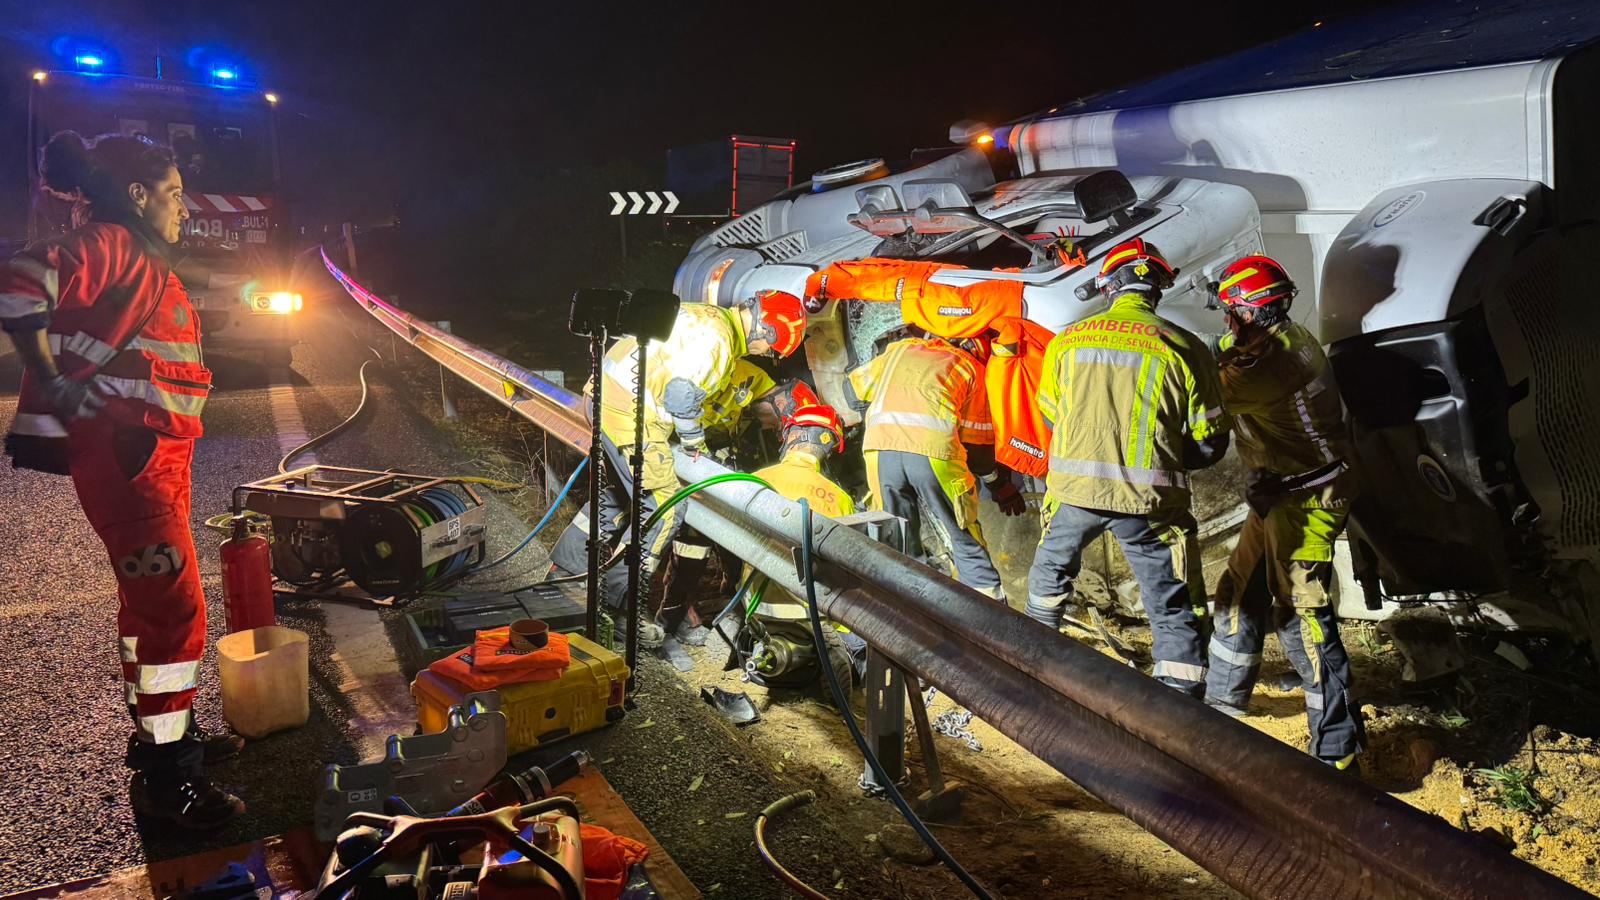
(266, 679)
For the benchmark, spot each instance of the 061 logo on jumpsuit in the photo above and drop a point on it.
(157, 559)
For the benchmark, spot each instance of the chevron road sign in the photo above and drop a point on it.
(655, 200)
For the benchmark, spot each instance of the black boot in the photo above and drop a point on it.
(194, 803)
(168, 785)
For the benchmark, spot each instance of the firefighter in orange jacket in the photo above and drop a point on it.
(927, 432)
(111, 394)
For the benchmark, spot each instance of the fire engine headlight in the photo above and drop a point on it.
(280, 303)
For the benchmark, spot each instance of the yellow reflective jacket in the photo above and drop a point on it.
(694, 363)
(1288, 416)
(925, 397)
(748, 384)
(799, 476)
(1123, 390)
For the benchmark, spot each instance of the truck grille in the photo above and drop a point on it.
(749, 230)
(1566, 393)
(780, 249)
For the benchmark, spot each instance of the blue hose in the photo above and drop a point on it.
(571, 480)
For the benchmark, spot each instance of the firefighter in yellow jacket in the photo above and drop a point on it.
(724, 420)
(695, 363)
(1135, 405)
(927, 431)
(1292, 437)
(811, 434)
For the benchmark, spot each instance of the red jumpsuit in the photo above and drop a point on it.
(97, 289)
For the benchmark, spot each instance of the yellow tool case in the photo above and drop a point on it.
(588, 695)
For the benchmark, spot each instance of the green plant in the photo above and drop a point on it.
(1514, 789)
(1367, 639)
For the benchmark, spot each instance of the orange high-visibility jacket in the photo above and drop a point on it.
(1021, 432)
(116, 316)
(948, 311)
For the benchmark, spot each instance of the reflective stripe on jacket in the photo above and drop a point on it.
(1124, 389)
(799, 476)
(95, 289)
(925, 397)
(748, 384)
(1288, 416)
(694, 363)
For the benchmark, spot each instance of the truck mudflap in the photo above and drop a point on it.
(1442, 504)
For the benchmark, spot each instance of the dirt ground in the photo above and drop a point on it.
(1493, 749)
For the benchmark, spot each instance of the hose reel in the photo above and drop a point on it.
(391, 533)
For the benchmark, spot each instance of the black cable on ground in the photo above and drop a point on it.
(319, 440)
(774, 810)
(842, 701)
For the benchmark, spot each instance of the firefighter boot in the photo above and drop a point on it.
(691, 635)
(673, 652)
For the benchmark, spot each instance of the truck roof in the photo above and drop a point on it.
(1423, 37)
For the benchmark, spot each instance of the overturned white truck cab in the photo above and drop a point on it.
(1430, 178)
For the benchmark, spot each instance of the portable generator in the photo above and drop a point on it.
(392, 534)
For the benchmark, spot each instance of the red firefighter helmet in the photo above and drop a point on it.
(821, 424)
(1255, 281)
(780, 318)
(1135, 265)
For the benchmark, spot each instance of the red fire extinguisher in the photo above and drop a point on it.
(246, 579)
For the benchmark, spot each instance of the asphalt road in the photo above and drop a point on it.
(64, 813)
(63, 724)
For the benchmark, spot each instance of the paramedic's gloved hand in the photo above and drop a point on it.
(694, 447)
(72, 399)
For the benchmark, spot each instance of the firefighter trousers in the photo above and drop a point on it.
(1262, 569)
(1162, 555)
(909, 484)
(133, 485)
(691, 556)
(660, 483)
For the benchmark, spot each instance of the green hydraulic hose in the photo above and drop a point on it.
(674, 500)
(698, 486)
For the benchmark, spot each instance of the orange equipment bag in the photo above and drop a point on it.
(607, 857)
(1021, 434)
(487, 664)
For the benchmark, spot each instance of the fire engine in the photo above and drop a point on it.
(1427, 176)
(233, 255)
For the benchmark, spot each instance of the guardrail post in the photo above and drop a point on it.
(444, 384)
(886, 718)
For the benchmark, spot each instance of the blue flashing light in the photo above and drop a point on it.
(224, 74)
(90, 60)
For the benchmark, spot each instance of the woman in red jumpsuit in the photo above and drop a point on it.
(112, 391)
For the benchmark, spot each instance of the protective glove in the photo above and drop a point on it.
(693, 447)
(72, 399)
(1010, 499)
(1005, 493)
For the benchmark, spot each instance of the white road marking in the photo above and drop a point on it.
(286, 421)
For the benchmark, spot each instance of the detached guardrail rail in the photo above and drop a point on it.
(1265, 818)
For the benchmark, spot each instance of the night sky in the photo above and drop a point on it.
(448, 112)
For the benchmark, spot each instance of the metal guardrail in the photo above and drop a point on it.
(1263, 817)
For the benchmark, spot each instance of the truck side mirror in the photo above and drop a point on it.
(1104, 194)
